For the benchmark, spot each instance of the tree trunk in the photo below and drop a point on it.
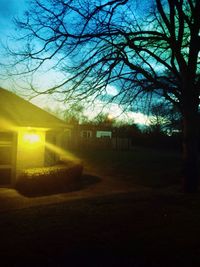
(190, 151)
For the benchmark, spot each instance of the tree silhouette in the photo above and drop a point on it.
(104, 119)
(101, 43)
(164, 119)
(74, 114)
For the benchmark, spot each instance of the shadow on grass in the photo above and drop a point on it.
(85, 181)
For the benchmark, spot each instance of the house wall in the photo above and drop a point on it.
(30, 154)
(53, 147)
(7, 157)
(86, 134)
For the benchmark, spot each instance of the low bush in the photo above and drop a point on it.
(47, 180)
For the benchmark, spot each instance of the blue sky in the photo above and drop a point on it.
(12, 8)
(8, 9)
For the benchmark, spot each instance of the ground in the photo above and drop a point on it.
(115, 219)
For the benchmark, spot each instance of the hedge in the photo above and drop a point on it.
(47, 180)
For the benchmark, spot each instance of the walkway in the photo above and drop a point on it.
(10, 199)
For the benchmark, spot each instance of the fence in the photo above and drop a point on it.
(114, 143)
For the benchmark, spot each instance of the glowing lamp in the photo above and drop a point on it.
(31, 138)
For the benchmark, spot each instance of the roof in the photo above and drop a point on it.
(16, 111)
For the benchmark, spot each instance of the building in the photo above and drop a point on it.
(28, 135)
(93, 131)
(88, 136)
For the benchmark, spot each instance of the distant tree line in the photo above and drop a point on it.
(163, 131)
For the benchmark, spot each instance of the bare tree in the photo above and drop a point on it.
(164, 119)
(104, 119)
(101, 43)
(74, 114)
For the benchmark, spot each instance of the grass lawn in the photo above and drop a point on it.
(141, 166)
(116, 230)
(158, 227)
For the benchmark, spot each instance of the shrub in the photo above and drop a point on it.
(47, 180)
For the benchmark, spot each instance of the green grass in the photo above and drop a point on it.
(148, 167)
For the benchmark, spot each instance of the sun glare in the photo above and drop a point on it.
(110, 117)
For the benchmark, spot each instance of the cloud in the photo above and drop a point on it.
(111, 90)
